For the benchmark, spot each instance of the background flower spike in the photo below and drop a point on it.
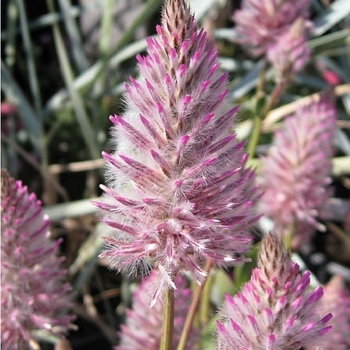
(34, 295)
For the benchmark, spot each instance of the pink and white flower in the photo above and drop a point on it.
(336, 300)
(274, 310)
(296, 171)
(179, 192)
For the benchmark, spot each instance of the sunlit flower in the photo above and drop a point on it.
(296, 172)
(179, 192)
(274, 310)
(33, 293)
(143, 329)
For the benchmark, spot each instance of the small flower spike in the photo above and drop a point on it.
(336, 300)
(179, 192)
(33, 293)
(143, 327)
(296, 171)
(259, 24)
(274, 310)
(289, 53)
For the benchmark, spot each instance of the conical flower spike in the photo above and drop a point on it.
(179, 192)
(296, 171)
(274, 310)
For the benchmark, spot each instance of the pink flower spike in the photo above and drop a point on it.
(260, 23)
(34, 295)
(177, 148)
(293, 326)
(296, 171)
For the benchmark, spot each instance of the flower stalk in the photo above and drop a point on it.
(168, 320)
(193, 309)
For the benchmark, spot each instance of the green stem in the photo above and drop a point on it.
(255, 135)
(168, 320)
(288, 237)
(193, 309)
(275, 94)
(205, 302)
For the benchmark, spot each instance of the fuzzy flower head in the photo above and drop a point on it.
(143, 328)
(289, 53)
(179, 192)
(296, 172)
(336, 300)
(260, 22)
(274, 310)
(33, 294)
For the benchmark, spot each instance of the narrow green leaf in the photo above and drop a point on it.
(32, 72)
(78, 105)
(329, 39)
(74, 35)
(104, 48)
(247, 83)
(44, 21)
(86, 79)
(12, 17)
(71, 209)
(338, 10)
(15, 96)
(106, 26)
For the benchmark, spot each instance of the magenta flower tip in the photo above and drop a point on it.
(271, 338)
